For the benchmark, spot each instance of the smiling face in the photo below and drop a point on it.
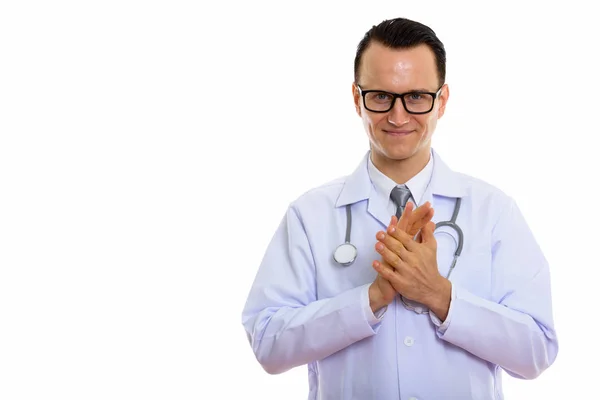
(397, 136)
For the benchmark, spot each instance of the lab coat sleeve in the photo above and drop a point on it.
(286, 325)
(514, 329)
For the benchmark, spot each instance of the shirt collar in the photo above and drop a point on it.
(417, 184)
(444, 182)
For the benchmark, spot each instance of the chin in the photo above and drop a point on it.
(396, 155)
(400, 153)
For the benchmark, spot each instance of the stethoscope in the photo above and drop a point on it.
(346, 253)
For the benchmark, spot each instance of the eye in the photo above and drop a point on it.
(418, 98)
(379, 97)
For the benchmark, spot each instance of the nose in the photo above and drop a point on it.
(398, 115)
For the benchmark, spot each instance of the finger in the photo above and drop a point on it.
(411, 221)
(418, 225)
(405, 217)
(393, 223)
(410, 216)
(419, 237)
(390, 257)
(404, 238)
(419, 218)
(380, 266)
(392, 244)
(428, 236)
(421, 211)
(426, 214)
(388, 273)
(429, 215)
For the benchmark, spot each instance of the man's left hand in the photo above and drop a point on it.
(411, 267)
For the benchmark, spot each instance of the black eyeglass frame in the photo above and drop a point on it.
(401, 96)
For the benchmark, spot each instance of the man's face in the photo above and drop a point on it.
(396, 134)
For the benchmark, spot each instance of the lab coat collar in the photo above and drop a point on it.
(444, 182)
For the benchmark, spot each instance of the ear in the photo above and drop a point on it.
(443, 100)
(356, 96)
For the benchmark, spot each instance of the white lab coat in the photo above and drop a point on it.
(304, 308)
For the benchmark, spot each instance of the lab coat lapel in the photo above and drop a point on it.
(444, 183)
(378, 208)
(358, 187)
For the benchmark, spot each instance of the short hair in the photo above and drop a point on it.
(402, 33)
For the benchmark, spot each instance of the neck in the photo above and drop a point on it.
(401, 171)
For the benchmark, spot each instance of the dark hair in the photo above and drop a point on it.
(402, 33)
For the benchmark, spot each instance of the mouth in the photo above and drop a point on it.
(398, 132)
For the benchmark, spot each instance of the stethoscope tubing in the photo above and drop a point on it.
(349, 247)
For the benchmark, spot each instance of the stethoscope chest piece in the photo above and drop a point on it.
(345, 254)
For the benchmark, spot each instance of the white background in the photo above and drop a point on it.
(149, 149)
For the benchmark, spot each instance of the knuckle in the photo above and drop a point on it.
(390, 241)
(398, 261)
(388, 256)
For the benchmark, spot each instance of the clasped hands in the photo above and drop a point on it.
(409, 263)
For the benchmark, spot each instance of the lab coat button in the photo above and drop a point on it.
(409, 342)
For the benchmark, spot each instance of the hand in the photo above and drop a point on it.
(412, 222)
(411, 268)
(381, 291)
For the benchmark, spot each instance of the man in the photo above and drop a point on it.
(410, 314)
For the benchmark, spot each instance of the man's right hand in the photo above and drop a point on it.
(381, 292)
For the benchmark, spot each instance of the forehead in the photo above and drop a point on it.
(398, 70)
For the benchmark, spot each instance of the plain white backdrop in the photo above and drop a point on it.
(149, 149)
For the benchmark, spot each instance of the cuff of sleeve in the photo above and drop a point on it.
(372, 319)
(443, 326)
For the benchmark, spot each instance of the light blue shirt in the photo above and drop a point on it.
(305, 309)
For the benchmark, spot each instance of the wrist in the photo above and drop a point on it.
(440, 304)
(376, 300)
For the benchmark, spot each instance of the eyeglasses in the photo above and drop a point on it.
(414, 102)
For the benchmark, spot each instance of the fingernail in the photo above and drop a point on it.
(392, 229)
(380, 236)
(379, 246)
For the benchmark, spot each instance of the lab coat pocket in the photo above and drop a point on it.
(472, 270)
